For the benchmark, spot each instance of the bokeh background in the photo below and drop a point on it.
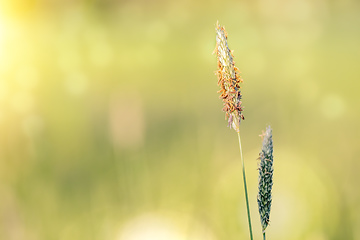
(111, 126)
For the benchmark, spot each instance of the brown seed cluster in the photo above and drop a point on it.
(228, 79)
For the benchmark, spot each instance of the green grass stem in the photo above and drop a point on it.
(245, 188)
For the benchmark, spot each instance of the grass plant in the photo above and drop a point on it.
(265, 179)
(229, 81)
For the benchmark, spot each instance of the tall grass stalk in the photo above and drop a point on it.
(229, 80)
(245, 188)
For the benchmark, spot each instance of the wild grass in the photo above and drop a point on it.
(265, 178)
(229, 81)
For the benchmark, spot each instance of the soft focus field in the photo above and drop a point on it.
(111, 127)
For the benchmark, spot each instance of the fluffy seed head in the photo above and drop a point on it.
(228, 79)
(265, 177)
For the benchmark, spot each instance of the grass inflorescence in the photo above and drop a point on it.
(265, 178)
(228, 79)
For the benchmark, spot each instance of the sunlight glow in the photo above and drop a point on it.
(3, 34)
(150, 227)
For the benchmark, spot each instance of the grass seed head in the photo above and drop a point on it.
(228, 79)
(265, 178)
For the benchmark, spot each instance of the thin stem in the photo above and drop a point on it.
(245, 187)
(264, 235)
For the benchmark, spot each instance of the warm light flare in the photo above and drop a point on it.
(3, 38)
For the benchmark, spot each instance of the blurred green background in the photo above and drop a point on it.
(111, 126)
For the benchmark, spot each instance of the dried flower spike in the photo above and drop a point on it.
(228, 79)
(265, 178)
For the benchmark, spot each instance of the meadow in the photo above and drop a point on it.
(111, 125)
